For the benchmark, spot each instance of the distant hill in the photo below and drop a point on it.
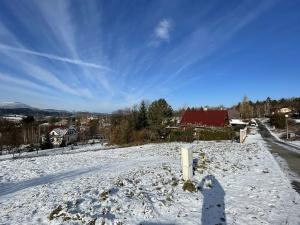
(20, 108)
(14, 105)
(27, 110)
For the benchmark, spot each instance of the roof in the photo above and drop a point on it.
(284, 110)
(210, 118)
(60, 131)
(237, 122)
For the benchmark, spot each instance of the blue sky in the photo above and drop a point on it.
(105, 55)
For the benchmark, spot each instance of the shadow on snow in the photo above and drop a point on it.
(213, 208)
(10, 188)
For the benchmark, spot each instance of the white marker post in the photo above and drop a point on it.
(243, 134)
(187, 163)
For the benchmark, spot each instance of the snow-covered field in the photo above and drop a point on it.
(58, 151)
(142, 185)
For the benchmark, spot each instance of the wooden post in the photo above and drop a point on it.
(187, 163)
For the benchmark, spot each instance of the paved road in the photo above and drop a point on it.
(291, 154)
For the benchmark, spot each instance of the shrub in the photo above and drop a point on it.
(104, 195)
(278, 120)
(141, 136)
(186, 135)
(174, 182)
(92, 222)
(215, 134)
(121, 134)
(55, 212)
(47, 144)
(30, 148)
(189, 186)
(63, 144)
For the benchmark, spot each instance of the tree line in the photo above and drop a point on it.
(250, 109)
(142, 123)
(33, 135)
(13, 134)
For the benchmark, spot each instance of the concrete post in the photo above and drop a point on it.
(243, 134)
(187, 163)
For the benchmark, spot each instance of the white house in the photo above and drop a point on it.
(284, 110)
(59, 136)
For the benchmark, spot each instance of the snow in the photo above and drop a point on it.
(15, 118)
(297, 120)
(295, 143)
(237, 122)
(142, 185)
(45, 124)
(254, 137)
(70, 149)
(12, 118)
(277, 135)
(59, 131)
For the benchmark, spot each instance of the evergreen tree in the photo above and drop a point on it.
(47, 144)
(159, 111)
(28, 119)
(142, 116)
(135, 117)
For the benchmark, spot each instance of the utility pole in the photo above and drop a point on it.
(287, 126)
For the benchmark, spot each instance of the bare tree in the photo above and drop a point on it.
(246, 110)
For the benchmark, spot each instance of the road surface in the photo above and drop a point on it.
(290, 154)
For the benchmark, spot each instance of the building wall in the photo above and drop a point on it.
(56, 140)
(70, 138)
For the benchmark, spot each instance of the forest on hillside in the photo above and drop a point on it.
(250, 109)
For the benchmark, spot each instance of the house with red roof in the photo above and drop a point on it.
(205, 118)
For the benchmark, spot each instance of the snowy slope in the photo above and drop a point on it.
(142, 185)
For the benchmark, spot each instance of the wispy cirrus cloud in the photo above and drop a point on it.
(22, 83)
(53, 57)
(97, 52)
(202, 42)
(54, 29)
